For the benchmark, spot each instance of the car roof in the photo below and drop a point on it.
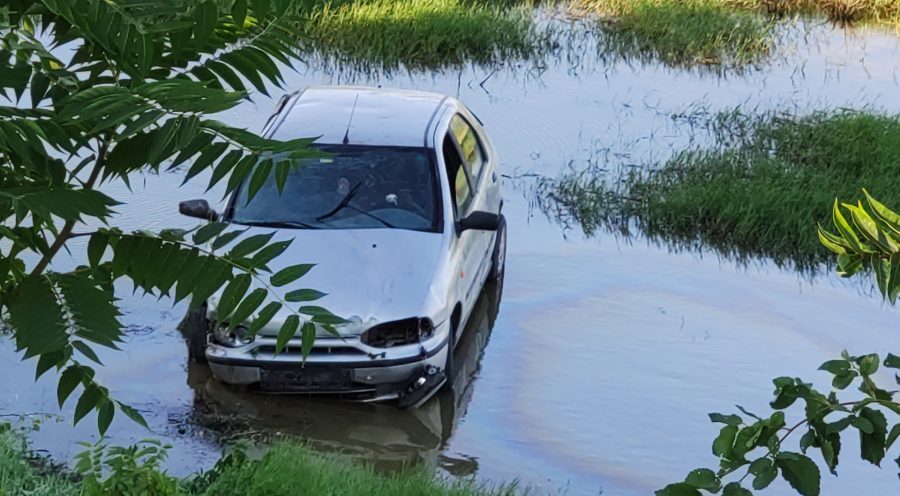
(376, 116)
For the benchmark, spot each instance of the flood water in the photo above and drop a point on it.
(598, 370)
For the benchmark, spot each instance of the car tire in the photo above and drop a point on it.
(498, 257)
(450, 365)
(197, 334)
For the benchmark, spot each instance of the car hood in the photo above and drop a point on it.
(370, 275)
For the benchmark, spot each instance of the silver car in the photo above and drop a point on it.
(402, 218)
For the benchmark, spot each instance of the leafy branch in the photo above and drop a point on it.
(135, 91)
(869, 241)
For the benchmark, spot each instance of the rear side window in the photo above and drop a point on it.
(459, 180)
(468, 142)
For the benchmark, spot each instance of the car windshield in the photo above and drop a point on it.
(354, 187)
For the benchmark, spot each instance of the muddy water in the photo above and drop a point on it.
(599, 369)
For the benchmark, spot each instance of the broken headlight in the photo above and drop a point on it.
(398, 333)
(232, 337)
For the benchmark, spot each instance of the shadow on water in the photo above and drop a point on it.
(389, 438)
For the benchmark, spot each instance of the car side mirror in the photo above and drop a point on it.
(482, 221)
(197, 208)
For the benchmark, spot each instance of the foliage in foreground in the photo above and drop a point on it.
(421, 34)
(285, 470)
(103, 90)
(684, 32)
(867, 238)
(760, 194)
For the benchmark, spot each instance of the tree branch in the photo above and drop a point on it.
(65, 233)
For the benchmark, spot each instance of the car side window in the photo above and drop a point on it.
(460, 189)
(469, 145)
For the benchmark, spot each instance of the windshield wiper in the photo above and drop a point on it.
(284, 224)
(341, 204)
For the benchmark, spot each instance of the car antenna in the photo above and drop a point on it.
(349, 121)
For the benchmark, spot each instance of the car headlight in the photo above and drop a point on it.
(398, 333)
(232, 337)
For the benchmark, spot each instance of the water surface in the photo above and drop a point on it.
(605, 356)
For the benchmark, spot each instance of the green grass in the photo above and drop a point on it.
(844, 12)
(760, 196)
(18, 475)
(286, 469)
(683, 32)
(422, 34)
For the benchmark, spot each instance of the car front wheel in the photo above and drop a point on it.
(498, 257)
(197, 334)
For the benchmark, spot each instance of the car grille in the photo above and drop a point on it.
(316, 351)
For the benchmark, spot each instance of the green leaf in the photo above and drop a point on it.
(208, 232)
(287, 331)
(105, 414)
(68, 380)
(844, 380)
(846, 232)
(133, 414)
(703, 478)
(304, 295)
(250, 245)
(38, 319)
(679, 489)
(872, 445)
(724, 441)
(321, 315)
(226, 238)
(892, 361)
(735, 489)
(264, 317)
(725, 419)
(289, 274)
(46, 362)
(259, 178)
(868, 364)
(89, 400)
(267, 254)
(87, 351)
(239, 12)
(96, 247)
(862, 424)
(248, 306)
(765, 477)
(308, 338)
(892, 436)
(231, 296)
(800, 472)
(836, 367)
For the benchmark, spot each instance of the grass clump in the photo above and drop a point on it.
(20, 474)
(842, 12)
(683, 32)
(287, 469)
(762, 194)
(421, 34)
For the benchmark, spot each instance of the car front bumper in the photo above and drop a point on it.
(342, 366)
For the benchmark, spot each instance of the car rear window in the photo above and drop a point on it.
(353, 187)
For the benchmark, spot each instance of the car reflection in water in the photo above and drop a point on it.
(383, 435)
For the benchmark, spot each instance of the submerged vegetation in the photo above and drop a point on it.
(286, 469)
(760, 193)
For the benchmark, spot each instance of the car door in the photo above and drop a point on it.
(478, 244)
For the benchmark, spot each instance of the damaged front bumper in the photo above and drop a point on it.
(335, 366)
